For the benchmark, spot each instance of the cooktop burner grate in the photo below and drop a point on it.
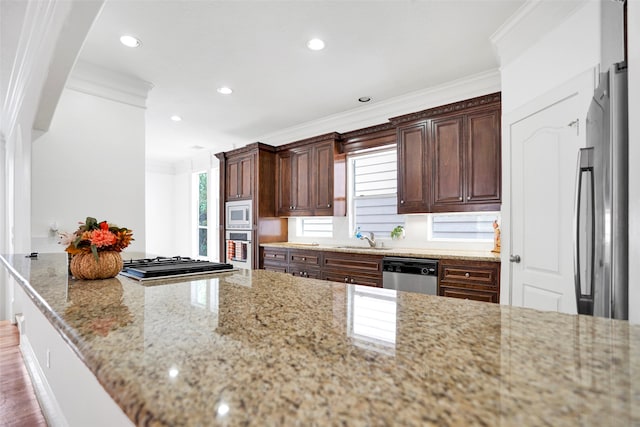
(163, 267)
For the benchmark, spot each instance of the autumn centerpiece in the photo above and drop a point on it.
(95, 249)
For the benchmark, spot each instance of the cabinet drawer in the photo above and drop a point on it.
(348, 263)
(475, 295)
(301, 270)
(278, 268)
(271, 255)
(475, 273)
(307, 258)
(353, 279)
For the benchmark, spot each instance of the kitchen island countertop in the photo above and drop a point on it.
(389, 251)
(265, 348)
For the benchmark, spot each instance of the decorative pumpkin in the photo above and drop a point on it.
(85, 265)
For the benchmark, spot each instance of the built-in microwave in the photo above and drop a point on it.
(239, 215)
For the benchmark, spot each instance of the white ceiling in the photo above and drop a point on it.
(381, 49)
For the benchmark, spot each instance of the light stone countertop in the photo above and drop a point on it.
(401, 252)
(282, 350)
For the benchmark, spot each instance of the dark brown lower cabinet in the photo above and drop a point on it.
(275, 259)
(474, 280)
(357, 269)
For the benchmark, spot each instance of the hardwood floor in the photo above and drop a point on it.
(18, 404)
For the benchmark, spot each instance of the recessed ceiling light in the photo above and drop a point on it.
(315, 44)
(130, 41)
(176, 118)
(364, 99)
(225, 90)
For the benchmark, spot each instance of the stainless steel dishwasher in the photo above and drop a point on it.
(410, 274)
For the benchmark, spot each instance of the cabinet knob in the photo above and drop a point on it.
(468, 197)
(346, 280)
(301, 273)
(290, 207)
(328, 205)
(352, 280)
(460, 198)
(304, 258)
(275, 255)
(402, 202)
(466, 274)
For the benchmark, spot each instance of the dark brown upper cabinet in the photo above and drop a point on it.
(240, 177)
(311, 178)
(449, 157)
(413, 179)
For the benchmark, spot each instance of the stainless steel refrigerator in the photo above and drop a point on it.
(601, 208)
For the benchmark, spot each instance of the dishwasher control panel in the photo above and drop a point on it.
(417, 266)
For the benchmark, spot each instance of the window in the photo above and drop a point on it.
(374, 188)
(315, 227)
(202, 210)
(464, 226)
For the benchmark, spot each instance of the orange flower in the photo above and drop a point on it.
(102, 238)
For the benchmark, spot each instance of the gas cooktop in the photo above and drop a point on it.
(164, 267)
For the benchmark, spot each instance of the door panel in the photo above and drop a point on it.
(412, 194)
(483, 157)
(323, 179)
(544, 151)
(301, 184)
(448, 170)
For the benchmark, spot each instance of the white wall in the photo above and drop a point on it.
(633, 36)
(160, 217)
(570, 49)
(90, 163)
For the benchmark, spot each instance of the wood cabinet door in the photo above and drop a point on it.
(412, 169)
(240, 175)
(483, 163)
(301, 184)
(246, 177)
(447, 142)
(284, 204)
(323, 178)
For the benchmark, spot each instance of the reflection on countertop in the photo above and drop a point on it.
(389, 251)
(265, 348)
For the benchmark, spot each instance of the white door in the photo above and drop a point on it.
(545, 140)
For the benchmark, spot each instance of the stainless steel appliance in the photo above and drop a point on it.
(238, 215)
(163, 267)
(410, 274)
(601, 212)
(239, 248)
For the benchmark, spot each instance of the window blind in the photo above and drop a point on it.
(472, 226)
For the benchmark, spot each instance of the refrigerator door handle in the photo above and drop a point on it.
(584, 302)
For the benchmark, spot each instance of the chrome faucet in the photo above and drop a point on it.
(370, 239)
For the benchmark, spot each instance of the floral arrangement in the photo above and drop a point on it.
(93, 237)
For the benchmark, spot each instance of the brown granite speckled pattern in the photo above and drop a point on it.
(281, 350)
(402, 252)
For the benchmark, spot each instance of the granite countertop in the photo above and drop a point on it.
(264, 348)
(402, 252)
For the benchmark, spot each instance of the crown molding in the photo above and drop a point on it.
(377, 113)
(534, 20)
(97, 81)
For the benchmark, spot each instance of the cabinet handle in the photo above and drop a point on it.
(466, 275)
(290, 207)
(301, 273)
